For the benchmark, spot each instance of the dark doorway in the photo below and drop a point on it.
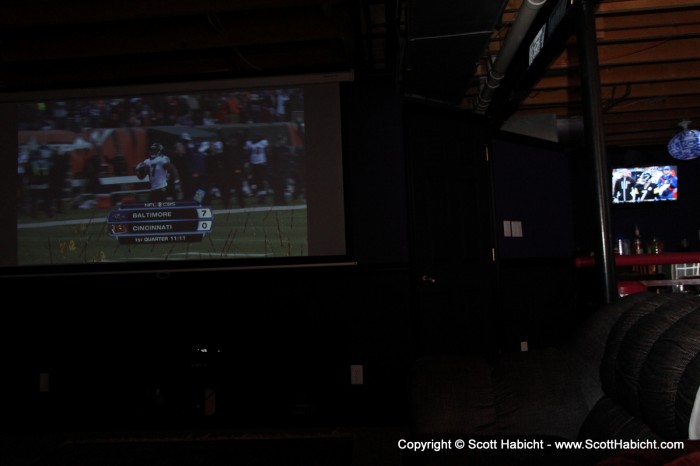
(451, 224)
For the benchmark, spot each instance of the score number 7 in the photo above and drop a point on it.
(204, 213)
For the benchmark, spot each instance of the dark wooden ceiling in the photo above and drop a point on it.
(649, 59)
(70, 43)
(649, 51)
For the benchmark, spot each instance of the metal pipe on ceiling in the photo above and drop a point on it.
(526, 15)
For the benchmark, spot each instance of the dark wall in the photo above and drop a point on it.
(277, 342)
(532, 185)
(375, 173)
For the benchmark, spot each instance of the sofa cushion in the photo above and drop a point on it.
(535, 392)
(687, 456)
(649, 367)
(452, 394)
(538, 392)
(609, 420)
(694, 421)
(587, 344)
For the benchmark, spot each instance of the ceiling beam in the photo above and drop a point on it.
(28, 13)
(165, 35)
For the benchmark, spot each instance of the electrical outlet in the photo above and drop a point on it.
(517, 227)
(356, 374)
(44, 382)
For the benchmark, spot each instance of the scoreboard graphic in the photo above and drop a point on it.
(160, 222)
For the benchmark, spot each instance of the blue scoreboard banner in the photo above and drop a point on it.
(160, 222)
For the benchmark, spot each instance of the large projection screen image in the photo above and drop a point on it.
(154, 174)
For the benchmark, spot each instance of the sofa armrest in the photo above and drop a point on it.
(529, 393)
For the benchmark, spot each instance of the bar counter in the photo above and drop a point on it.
(645, 259)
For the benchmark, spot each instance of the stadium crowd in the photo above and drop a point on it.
(259, 106)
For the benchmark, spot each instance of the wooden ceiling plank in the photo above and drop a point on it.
(560, 112)
(656, 104)
(666, 71)
(656, 132)
(636, 91)
(641, 52)
(677, 114)
(647, 20)
(630, 6)
(666, 89)
(646, 138)
(627, 74)
(649, 33)
(649, 52)
(641, 126)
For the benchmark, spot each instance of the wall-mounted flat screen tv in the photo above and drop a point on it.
(645, 184)
(173, 176)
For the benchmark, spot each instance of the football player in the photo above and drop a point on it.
(159, 170)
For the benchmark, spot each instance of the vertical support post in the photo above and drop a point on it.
(595, 142)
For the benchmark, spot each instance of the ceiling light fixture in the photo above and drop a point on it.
(685, 145)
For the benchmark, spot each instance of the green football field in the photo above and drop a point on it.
(80, 236)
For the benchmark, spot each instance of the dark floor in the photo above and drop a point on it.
(323, 446)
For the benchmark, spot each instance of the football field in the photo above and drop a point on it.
(81, 236)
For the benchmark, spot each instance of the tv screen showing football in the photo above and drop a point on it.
(645, 184)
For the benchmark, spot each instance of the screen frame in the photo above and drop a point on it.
(9, 165)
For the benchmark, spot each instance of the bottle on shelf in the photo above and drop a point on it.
(622, 246)
(637, 244)
(656, 246)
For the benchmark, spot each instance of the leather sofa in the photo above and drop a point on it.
(630, 372)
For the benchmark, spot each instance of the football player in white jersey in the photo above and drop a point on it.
(257, 148)
(159, 170)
